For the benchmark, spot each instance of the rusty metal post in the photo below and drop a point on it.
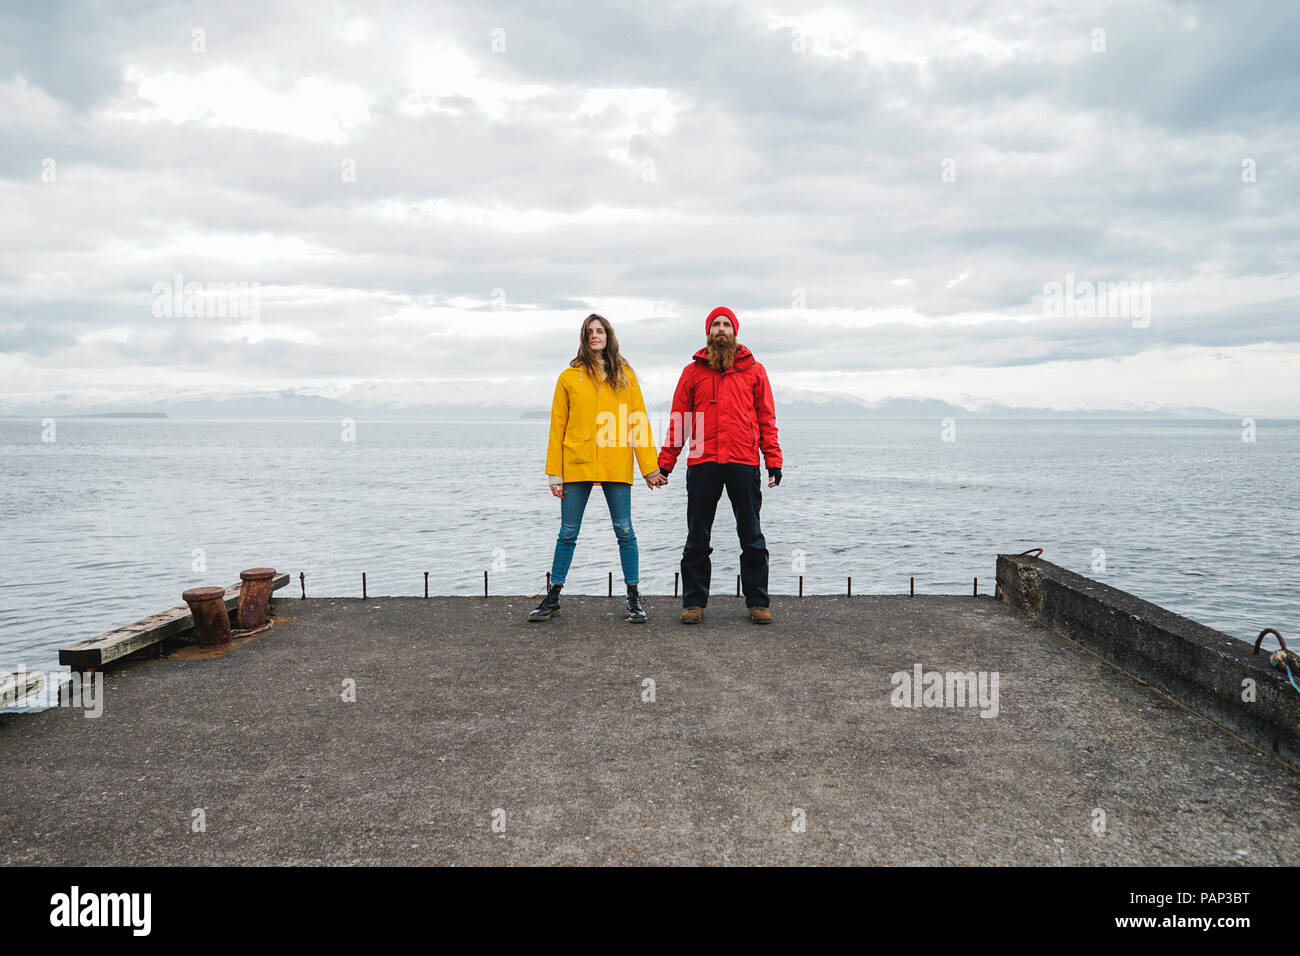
(611, 583)
(302, 580)
(548, 581)
(677, 576)
(363, 585)
(211, 619)
(737, 585)
(801, 585)
(850, 585)
(975, 588)
(913, 591)
(485, 589)
(1260, 640)
(426, 583)
(254, 597)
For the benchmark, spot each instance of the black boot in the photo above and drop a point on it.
(635, 609)
(549, 607)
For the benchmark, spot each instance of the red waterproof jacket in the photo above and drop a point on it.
(725, 416)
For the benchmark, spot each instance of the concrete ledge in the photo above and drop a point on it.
(1196, 665)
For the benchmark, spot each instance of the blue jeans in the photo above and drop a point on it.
(618, 496)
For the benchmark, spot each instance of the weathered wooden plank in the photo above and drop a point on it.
(109, 646)
(14, 687)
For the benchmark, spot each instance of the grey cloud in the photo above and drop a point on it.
(33, 338)
(62, 46)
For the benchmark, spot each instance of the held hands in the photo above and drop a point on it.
(657, 480)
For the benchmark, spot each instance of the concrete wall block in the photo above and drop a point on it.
(1200, 667)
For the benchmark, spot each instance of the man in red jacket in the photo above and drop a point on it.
(725, 395)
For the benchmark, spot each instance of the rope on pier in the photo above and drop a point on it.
(1282, 657)
(1288, 673)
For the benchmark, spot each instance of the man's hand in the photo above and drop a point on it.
(656, 479)
(557, 490)
(773, 477)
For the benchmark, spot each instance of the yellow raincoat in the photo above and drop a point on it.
(595, 431)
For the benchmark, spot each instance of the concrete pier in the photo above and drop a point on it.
(477, 738)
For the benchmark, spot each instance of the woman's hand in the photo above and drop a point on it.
(656, 479)
(557, 490)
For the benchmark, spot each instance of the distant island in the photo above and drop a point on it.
(92, 415)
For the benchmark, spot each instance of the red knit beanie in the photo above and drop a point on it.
(722, 310)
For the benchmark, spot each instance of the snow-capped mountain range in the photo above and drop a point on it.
(505, 400)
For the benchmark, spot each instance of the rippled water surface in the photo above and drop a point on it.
(106, 523)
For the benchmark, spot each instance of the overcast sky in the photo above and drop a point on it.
(442, 191)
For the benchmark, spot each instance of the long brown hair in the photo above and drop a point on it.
(613, 369)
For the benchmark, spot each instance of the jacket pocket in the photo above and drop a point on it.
(578, 448)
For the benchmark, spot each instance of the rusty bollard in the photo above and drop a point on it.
(211, 619)
(254, 597)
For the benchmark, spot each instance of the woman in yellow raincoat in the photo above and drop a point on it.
(599, 431)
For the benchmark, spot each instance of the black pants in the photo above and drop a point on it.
(704, 484)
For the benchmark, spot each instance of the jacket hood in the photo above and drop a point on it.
(744, 357)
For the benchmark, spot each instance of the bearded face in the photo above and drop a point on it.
(722, 350)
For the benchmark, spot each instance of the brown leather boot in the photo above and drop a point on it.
(760, 615)
(692, 615)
